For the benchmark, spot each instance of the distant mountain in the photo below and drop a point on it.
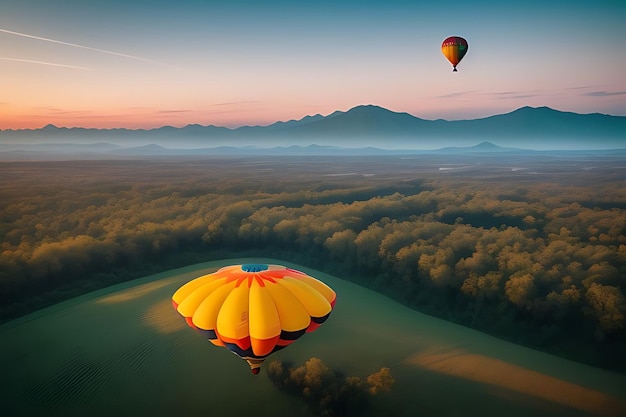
(364, 126)
(483, 147)
(362, 122)
(544, 123)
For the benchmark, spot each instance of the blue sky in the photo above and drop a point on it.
(231, 63)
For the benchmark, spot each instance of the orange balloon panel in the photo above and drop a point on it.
(454, 48)
(254, 310)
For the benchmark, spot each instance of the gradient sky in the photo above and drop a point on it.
(150, 63)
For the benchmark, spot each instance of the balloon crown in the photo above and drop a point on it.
(254, 267)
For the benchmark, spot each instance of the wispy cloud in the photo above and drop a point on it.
(52, 64)
(580, 87)
(174, 111)
(604, 93)
(500, 95)
(233, 103)
(62, 112)
(512, 94)
(75, 45)
(457, 94)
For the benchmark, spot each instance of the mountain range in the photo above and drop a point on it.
(360, 127)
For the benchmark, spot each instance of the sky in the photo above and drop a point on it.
(152, 63)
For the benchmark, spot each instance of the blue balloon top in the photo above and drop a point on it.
(254, 267)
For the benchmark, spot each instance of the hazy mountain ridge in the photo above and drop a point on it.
(109, 151)
(364, 126)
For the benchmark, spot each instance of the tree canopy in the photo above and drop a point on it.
(538, 262)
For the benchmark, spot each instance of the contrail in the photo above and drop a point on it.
(75, 45)
(44, 63)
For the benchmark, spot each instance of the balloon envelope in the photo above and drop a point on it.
(454, 48)
(253, 310)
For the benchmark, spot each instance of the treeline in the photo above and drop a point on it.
(541, 264)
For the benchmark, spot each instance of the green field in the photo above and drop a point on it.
(124, 351)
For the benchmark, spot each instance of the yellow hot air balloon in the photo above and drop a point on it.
(254, 310)
(454, 49)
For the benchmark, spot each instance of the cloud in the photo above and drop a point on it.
(233, 103)
(513, 94)
(604, 93)
(503, 95)
(516, 96)
(72, 113)
(457, 94)
(52, 64)
(173, 111)
(75, 45)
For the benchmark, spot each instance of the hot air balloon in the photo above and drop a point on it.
(254, 310)
(454, 48)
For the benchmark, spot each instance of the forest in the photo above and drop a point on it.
(529, 250)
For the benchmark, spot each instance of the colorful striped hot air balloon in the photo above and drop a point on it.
(253, 310)
(454, 48)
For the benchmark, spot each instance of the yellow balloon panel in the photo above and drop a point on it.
(264, 318)
(452, 53)
(322, 288)
(188, 305)
(205, 316)
(293, 316)
(232, 320)
(191, 286)
(314, 303)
